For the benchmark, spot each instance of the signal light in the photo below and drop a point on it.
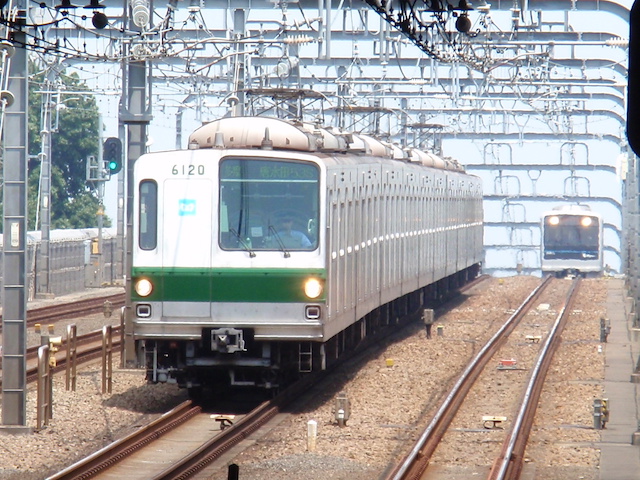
(112, 154)
(114, 166)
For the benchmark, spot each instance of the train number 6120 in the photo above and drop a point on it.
(187, 170)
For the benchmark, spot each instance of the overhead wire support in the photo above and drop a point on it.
(409, 19)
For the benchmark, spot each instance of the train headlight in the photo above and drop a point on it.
(586, 221)
(143, 287)
(554, 220)
(313, 288)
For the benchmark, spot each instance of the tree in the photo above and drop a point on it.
(75, 136)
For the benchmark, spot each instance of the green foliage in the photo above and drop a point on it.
(78, 211)
(75, 136)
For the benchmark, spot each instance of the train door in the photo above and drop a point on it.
(187, 232)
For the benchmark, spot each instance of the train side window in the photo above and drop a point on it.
(148, 220)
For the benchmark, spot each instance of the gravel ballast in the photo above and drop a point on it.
(392, 392)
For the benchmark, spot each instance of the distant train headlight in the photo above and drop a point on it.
(144, 287)
(313, 288)
(554, 220)
(586, 221)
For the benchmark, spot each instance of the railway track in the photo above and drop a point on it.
(188, 438)
(78, 308)
(89, 345)
(509, 463)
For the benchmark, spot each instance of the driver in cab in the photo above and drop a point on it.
(289, 237)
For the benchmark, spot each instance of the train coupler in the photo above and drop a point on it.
(227, 340)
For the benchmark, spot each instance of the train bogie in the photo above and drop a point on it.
(259, 254)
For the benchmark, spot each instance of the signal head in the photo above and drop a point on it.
(112, 154)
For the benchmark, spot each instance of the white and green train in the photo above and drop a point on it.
(270, 247)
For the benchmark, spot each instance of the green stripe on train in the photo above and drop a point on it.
(226, 284)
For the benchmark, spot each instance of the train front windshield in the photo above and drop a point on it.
(268, 205)
(571, 237)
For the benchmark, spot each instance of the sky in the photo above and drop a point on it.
(470, 152)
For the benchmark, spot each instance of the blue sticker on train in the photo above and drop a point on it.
(186, 207)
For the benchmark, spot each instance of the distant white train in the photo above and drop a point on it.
(571, 241)
(270, 247)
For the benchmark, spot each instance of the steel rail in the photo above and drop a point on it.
(509, 464)
(114, 452)
(418, 458)
(210, 451)
(89, 347)
(216, 446)
(81, 307)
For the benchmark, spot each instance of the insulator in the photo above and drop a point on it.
(617, 42)
(298, 40)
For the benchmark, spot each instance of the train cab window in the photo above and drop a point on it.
(571, 237)
(148, 219)
(268, 204)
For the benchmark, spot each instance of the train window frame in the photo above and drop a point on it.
(266, 238)
(148, 215)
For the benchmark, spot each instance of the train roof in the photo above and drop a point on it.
(571, 209)
(275, 133)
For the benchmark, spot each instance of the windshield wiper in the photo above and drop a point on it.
(243, 243)
(284, 250)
